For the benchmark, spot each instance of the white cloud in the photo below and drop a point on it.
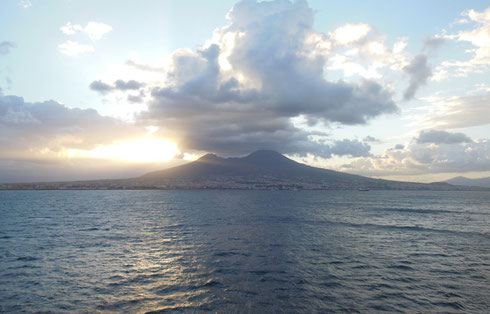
(400, 45)
(478, 36)
(25, 4)
(94, 30)
(358, 49)
(350, 33)
(70, 29)
(73, 48)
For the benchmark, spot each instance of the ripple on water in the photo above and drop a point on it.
(244, 251)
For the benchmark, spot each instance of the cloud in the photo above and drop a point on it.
(350, 33)
(458, 112)
(442, 137)
(101, 87)
(371, 139)
(37, 141)
(6, 47)
(94, 30)
(478, 36)
(46, 130)
(135, 99)
(435, 42)
(360, 50)
(419, 72)
(121, 85)
(128, 85)
(241, 90)
(431, 152)
(25, 4)
(144, 67)
(73, 48)
(353, 148)
(71, 29)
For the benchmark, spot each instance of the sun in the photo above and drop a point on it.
(142, 150)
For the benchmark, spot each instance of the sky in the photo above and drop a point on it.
(112, 89)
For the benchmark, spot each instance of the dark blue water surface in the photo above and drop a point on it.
(244, 251)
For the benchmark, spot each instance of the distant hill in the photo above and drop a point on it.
(481, 182)
(263, 169)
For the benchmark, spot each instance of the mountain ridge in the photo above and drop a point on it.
(262, 169)
(480, 182)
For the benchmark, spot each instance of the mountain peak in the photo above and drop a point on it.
(269, 159)
(265, 153)
(209, 157)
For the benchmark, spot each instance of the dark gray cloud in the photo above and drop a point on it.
(5, 47)
(101, 87)
(353, 148)
(418, 71)
(128, 85)
(135, 99)
(270, 75)
(434, 43)
(121, 85)
(399, 147)
(442, 137)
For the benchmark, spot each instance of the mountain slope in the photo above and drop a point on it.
(258, 164)
(269, 169)
(481, 182)
(263, 169)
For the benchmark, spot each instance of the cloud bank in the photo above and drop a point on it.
(442, 137)
(37, 131)
(458, 112)
(240, 90)
(432, 151)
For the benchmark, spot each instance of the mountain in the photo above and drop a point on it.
(266, 169)
(263, 169)
(261, 165)
(481, 182)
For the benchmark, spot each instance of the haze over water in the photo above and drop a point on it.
(291, 251)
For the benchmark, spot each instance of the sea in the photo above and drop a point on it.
(244, 251)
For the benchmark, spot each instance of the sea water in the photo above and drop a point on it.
(244, 251)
